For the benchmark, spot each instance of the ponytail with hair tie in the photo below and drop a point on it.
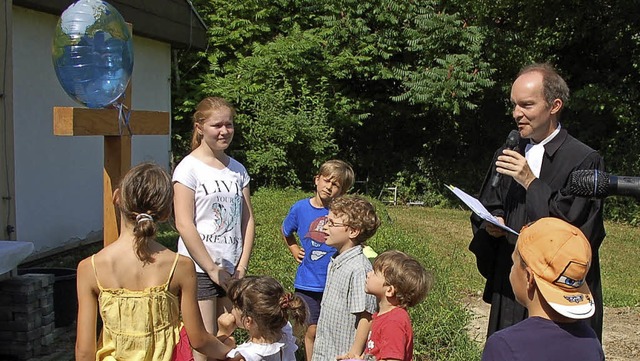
(285, 299)
(144, 217)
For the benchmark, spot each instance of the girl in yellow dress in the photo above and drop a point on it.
(139, 286)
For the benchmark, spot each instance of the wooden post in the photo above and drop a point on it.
(70, 121)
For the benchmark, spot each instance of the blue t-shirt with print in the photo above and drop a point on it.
(307, 221)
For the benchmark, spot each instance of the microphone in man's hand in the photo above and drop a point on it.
(593, 183)
(513, 139)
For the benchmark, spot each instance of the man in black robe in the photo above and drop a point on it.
(532, 178)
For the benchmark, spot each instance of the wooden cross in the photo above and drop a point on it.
(70, 121)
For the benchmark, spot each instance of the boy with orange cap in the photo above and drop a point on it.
(550, 263)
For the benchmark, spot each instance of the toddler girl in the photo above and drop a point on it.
(262, 307)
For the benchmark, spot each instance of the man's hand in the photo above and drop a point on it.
(297, 252)
(495, 231)
(515, 165)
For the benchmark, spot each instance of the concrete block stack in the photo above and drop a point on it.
(27, 318)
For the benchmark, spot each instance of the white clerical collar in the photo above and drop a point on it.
(549, 138)
(534, 152)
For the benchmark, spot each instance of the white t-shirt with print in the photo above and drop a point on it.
(218, 208)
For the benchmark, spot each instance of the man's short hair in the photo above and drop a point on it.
(408, 277)
(554, 87)
(341, 171)
(359, 214)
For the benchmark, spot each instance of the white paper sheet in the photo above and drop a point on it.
(478, 208)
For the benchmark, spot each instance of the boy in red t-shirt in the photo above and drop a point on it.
(398, 281)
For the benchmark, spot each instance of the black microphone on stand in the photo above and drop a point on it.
(513, 139)
(593, 183)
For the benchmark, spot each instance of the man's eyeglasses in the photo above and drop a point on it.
(331, 223)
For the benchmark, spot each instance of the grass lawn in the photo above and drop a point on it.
(439, 321)
(448, 233)
(439, 239)
(620, 260)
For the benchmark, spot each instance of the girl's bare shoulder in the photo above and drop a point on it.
(185, 264)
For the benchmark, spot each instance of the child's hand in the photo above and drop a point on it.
(297, 252)
(226, 323)
(349, 356)
(240, 273)
(220, 277)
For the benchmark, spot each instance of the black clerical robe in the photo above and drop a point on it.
(544, 198)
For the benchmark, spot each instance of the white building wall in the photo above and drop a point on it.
(58, 180)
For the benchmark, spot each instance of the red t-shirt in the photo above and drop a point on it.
(391, 336)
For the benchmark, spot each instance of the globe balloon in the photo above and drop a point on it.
(93, 53)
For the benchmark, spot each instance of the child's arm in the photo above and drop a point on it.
(87, 312)
(363, 321)
(248, 234)
(226, 326)
(184, 205)
(200, 339)
(296, 251)
(290, 225)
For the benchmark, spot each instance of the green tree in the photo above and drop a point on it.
(378, 82)
(415, 75)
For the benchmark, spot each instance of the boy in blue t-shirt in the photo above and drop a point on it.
(306, 218)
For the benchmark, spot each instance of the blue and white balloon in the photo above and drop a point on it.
(93, 53)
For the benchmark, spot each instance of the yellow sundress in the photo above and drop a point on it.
(138, 325)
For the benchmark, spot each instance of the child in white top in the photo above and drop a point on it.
(213, 209)
(262, 307)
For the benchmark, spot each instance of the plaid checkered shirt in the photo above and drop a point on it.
(343, 299)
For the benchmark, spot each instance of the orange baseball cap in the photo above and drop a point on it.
(560, 256)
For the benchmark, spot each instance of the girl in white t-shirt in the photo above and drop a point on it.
(213, 209)
(262, 307)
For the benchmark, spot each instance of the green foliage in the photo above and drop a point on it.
(339, 73)
(285, 143)
(622, 209)
(168, 236)
(408, 87)
(449, 70)
(419, 187)
(412, 73)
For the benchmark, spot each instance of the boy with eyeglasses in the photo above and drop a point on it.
(346, 309)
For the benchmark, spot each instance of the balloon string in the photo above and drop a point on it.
(123, 117)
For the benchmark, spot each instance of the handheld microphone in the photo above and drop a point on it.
(597, 184)
(513, 139)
